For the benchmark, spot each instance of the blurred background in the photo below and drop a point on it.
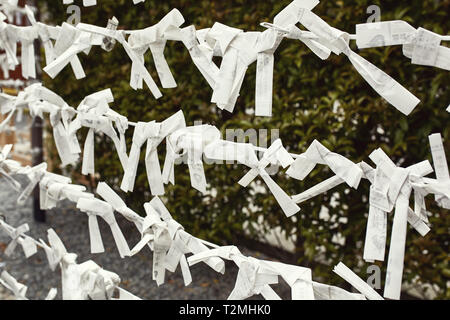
(313, 99)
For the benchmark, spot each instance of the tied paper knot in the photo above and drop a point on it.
(26, 36)
(8, 281)
(398, 192)
(44, 100)
(56, 251)
(87, 280)
(98, 34)
(268, 43)
(18, 236)
(229, 76)
(19, 290)
(40, 100)
(96, 208)
(118, 204)
(35, 175)
(60, 191)
(153, 133)
(189, 142)
(154, 38)
(70, 42)
(5, 166)
(44, 35)
(245, 153)
(379, 202)
(422, 46)
(239, 50)
(251, 279)
(8, 42)
(156, 231)
(46, 201)
(292, 32)
(201, 52)
(95, 282)
(345, 169)
(275, 154)
(256, 276)
(95, 114)
(181, 242)
(8, 105)
(165, 241)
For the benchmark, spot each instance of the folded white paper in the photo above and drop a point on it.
(94, 208)
(9, 282)
(318, 154)
(245, 154)
(359, 284)
(153, 134)
(422, 46)
(189, 142)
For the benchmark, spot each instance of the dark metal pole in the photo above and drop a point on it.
(37, 150)
(38, 157)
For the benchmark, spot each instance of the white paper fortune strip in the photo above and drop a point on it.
(398, 192)
(422, 46)
(98, 34)
(190, 141)
(318, 154)
(9, 282)
(94, 208)
(5, 167)
(343, 271)
(441, 168)
(154, 38)
(108, 194)
(245, 153)
(18, 237)
(53, 187)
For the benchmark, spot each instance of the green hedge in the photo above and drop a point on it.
(305, 91)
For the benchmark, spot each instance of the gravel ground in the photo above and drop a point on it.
(72, 227)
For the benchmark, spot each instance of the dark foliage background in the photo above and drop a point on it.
(313, 99)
